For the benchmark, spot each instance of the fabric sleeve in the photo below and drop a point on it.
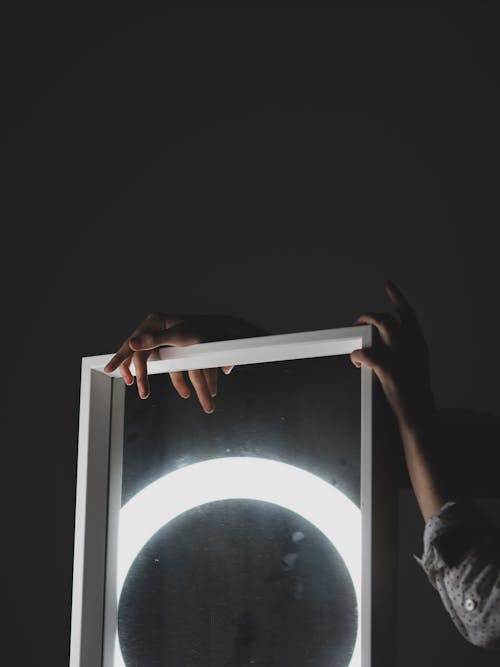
(462, 561)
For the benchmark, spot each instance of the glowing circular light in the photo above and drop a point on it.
(249, 478)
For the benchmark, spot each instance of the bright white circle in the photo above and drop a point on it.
(337, 517)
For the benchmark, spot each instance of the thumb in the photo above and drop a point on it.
(368, 357)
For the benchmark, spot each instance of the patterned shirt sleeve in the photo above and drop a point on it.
(462, 561)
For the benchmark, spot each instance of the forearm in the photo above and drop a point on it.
(419, 444)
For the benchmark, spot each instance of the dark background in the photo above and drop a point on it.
(273, 160)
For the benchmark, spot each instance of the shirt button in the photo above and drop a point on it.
(470, 604)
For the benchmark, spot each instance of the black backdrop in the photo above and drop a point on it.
(274, 160)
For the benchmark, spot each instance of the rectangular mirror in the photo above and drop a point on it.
(239, 537)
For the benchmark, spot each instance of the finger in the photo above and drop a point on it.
(200, 386)
(227, 369)
(395, 294)
(122, 355)
(405, 311)
(141, 371)
(385, 323)
(179, 335)
(368, 357)
(124, 369)
(180, 384)
(211, 380)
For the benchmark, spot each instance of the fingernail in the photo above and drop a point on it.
(144, 394)
(214, 394)
(135, 340)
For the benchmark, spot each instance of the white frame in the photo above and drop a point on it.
(98, 493)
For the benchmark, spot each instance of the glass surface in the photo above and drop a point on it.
(243, 582)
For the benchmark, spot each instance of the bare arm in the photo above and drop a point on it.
(400, 360)
(418, 443)
(461, 546)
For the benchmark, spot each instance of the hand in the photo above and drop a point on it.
(158, 330)
(400, 360)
